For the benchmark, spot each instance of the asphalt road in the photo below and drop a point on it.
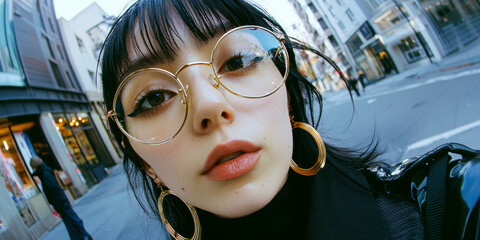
(410, 116)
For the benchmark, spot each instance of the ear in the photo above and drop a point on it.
(149, 171)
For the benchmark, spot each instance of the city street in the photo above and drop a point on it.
(408, 114)
(411, 113)
(109, 211)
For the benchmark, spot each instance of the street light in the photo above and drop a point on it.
(414, 31)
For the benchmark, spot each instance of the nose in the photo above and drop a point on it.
(209, 105)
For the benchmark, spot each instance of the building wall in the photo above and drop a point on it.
(82, 36)
(38, 86)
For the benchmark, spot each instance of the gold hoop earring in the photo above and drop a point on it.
(322, 156)
(168, 226)
(158, 181)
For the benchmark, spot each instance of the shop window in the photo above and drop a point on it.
(411, 49)
(79, 135)
(16, 176)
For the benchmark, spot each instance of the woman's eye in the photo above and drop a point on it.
(240, 62)
(151, 101)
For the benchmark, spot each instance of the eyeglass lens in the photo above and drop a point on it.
(249, 62)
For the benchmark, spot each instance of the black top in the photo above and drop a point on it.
(51, 188)
(337, 203)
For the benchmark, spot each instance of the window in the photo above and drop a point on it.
(48, 46)
(322, 24)
(332, 40)
(340, 2)
(389, 19)
(92, 75)
(39, 9)
(376, 3)
(411, 49)
(354, 43)
(341, 25)
(11, 73)
(57, 75)
(60, 52)
(72, 83)
(313, 8)
(350, 15)
(330, 9)
(80, 44)
(51, 24)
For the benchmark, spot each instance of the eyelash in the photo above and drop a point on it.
(139, 110)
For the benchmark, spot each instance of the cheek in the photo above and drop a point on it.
(162, 159)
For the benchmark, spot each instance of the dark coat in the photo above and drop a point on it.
(51, 188)
(337, 203)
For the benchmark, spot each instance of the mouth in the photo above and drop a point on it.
(230, 160)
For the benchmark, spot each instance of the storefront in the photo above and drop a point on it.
(83, 143)
(19, 141)
(370, 54)
(456, 22)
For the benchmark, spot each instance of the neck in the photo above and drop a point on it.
(282, 218)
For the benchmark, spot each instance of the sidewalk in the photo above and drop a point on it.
(465, 58)
(110, 211)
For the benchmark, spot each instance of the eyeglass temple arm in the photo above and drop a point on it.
(111, 113)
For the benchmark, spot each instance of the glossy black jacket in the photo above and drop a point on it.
(445, 183)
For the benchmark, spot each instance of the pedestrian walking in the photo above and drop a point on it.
(218, 129)
(361, 79)
(57, 198)
(352, 85)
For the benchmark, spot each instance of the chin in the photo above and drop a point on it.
(251, 198)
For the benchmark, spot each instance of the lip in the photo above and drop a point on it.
(235, 167)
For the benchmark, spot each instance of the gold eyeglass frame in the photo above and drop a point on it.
(216, 81)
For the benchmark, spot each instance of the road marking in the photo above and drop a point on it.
(371, 100)
(427, 141)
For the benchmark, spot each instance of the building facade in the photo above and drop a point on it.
(385, 37)
(83, 37)
(322, 37)
(43, 112)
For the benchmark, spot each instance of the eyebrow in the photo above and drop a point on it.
(138, 64)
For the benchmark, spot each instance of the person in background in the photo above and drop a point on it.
(361, 79)
(352, 85)
(57, 198)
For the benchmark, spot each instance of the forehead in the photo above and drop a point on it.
(151, 45)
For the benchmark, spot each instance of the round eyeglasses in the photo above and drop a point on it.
(151, 104)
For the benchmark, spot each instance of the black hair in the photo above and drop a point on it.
(149, 23)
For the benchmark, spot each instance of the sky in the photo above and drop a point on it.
(68, 8)
(279, 9)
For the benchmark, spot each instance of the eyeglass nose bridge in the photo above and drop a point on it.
(214, 80)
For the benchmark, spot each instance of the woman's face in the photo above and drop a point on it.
(231, 157)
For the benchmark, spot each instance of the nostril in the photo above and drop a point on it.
(204, 123)
(225, 115)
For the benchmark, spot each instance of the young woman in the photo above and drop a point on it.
(217, 126)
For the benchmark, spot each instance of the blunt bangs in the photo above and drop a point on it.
(153, 25)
